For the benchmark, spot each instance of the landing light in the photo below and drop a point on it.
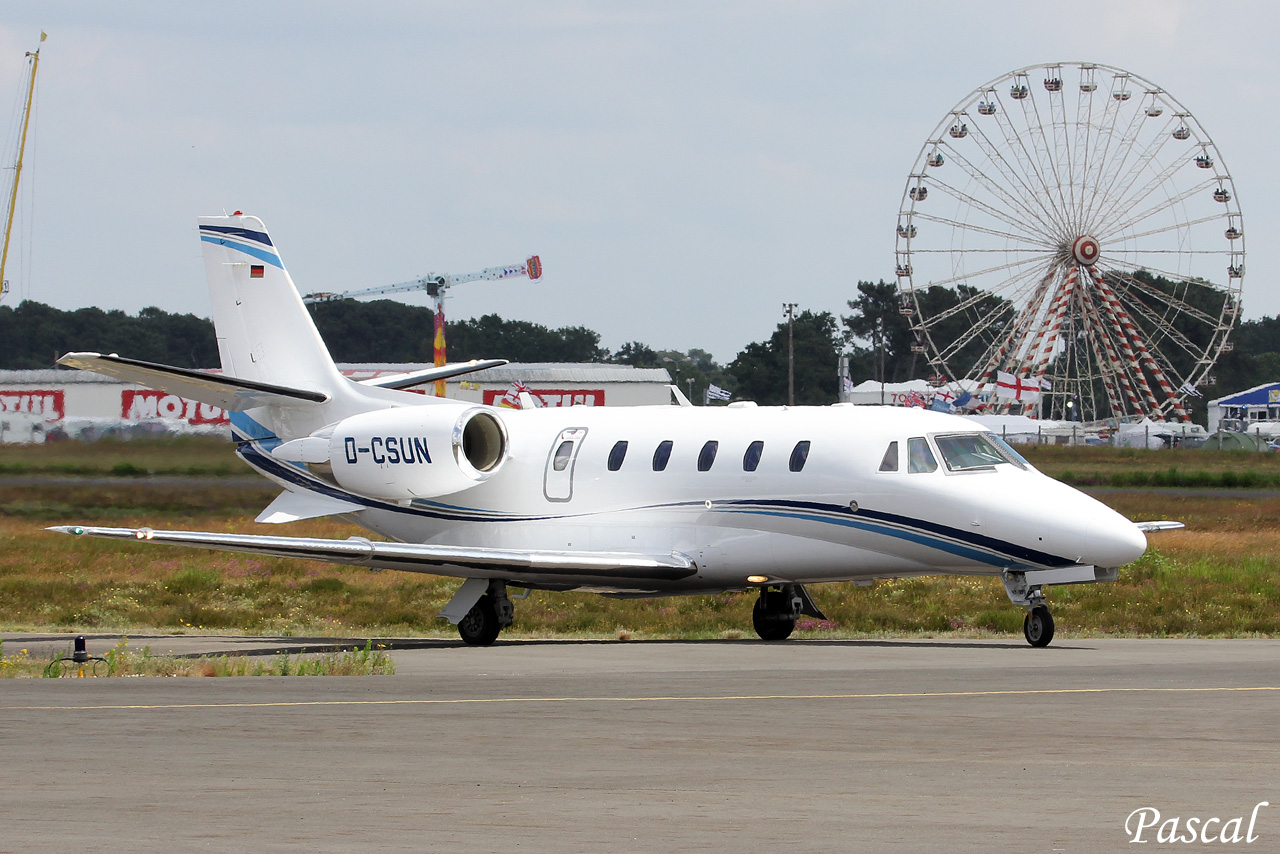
(757, 579)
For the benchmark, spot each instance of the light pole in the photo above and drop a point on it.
(676, 363)
(789, 311)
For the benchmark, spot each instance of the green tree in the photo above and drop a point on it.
(694, 370)
(637, 355)
(879, 335)
(34, 335)
(761, 368)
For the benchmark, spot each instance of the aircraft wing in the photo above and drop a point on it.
(430, 375)
(1148, 527)
(230, 393)
(547, 567)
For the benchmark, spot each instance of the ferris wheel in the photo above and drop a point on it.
(1073, 227)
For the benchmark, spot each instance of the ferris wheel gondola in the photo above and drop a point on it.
(1083, 238)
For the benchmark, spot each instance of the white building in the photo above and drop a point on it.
(1255, 410)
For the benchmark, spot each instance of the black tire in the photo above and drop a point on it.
(1037, 626)
(480, 626)
(771, 624)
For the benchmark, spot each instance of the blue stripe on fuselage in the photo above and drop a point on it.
(911, 536)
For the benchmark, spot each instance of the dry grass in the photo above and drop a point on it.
(1214, 579)
(174, 455)
(1084, 465)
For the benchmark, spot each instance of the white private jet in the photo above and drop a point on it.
(626, 501)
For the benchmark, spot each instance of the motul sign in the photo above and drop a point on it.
(148, 404)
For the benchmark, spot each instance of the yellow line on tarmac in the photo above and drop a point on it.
(706, 698)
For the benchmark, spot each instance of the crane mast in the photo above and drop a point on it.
(34, 56)
(435, 284)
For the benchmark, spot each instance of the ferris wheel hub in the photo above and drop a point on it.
(1085, 250)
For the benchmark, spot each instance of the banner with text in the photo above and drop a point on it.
(553, 396)
(142, 404)
(48, 403)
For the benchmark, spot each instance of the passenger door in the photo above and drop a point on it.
(558, 482)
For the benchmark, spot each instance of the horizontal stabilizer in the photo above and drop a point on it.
(1147, 527)
(548, 567)
(430, 375)
(229, 393)
(292, 506)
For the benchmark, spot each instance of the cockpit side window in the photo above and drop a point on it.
(890, 460)
(976, 452)
(920, 457)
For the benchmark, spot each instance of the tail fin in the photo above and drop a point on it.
(264, 331)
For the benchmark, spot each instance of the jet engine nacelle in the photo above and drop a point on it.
(402, 454)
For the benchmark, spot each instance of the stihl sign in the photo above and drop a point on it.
(48, 403)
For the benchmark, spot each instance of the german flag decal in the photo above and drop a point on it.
(255, 271)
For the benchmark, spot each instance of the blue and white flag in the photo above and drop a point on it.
(714, 392)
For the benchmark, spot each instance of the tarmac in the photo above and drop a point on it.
(541, 746)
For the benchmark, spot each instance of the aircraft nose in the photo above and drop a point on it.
(1115, 541)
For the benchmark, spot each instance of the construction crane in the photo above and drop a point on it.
(34, 58)
(435, 284)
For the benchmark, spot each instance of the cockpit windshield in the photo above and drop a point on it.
(977, 451)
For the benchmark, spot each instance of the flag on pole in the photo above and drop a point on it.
(1009, 387)
(1188, 388)
(714, 392)
(512, 398)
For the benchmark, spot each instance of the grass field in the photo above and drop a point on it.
(1218, 578)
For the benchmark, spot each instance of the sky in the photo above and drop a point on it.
(682, 169)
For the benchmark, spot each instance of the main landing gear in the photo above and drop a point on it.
(776, 611)
(480, 609)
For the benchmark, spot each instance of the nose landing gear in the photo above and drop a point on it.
(1037, 626)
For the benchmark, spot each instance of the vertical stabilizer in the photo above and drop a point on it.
(264, 331)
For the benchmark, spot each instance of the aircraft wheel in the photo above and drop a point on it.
(1038, 626)
(480, 626)
(772, 624)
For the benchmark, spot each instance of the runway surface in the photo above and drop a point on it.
(657, 746)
